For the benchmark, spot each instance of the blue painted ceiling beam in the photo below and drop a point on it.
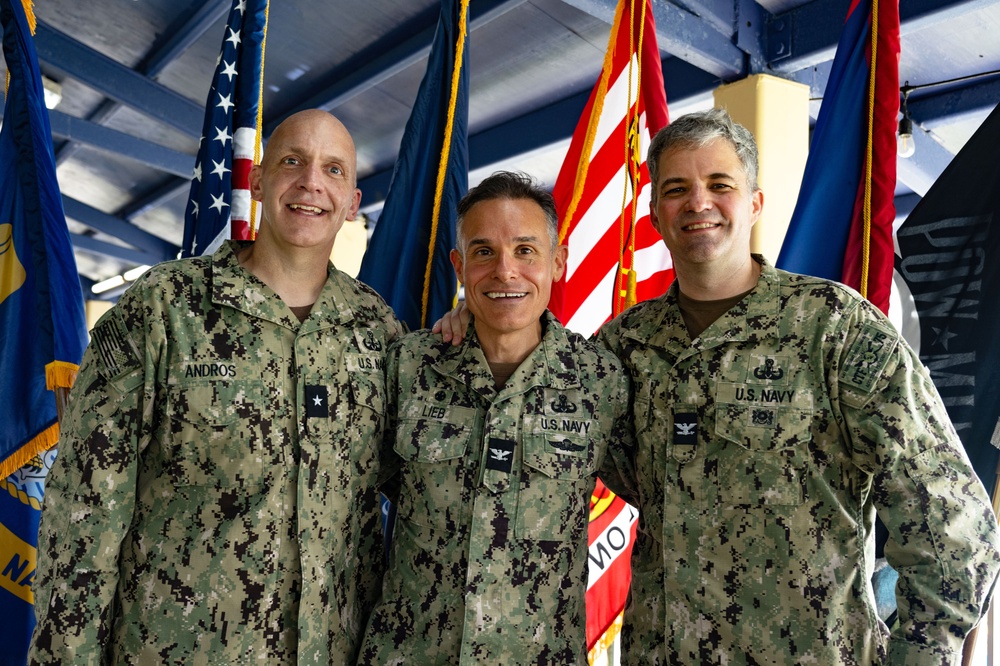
(386, 60)
(71, 128)
(181, 35)
(808, 35)
(684, 35)
(969, 102)
(117, 81)
(200, 17)
(550, 124)
(149, 244)
(131, 255)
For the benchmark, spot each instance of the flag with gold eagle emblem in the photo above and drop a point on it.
(42, 325)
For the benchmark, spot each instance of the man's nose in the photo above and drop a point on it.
(505, 267)
(309, 177)
(699, 198)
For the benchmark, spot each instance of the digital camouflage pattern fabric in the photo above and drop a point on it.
(764, 449)
(214, 497)
(489, 558)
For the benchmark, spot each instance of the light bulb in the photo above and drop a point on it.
(905, 147)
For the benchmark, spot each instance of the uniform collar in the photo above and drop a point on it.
(233, 286)
(551, 364)
(755, 316)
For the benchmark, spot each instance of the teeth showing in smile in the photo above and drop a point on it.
(703, 225)
(307, 209)
(505, 294)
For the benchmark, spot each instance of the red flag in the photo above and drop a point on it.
(602, 191)
(612, 533)
(869, 258)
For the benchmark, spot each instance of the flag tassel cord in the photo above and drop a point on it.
(260, 120)
(443, 162)
(869, 154)
(633, 171)
(588, 143)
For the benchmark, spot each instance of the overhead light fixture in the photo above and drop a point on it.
(134, 273)
(108, 285)
(904, 139)
(53, 92)
(119, 280)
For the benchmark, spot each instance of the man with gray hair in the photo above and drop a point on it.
(775, 415)
(491, 453)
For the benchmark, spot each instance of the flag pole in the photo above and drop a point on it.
(969, 649)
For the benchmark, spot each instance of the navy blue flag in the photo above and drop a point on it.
(949, 249)
(220, 206)
(407, 261)
(42, 325)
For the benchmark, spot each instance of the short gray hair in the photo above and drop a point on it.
(695, 130)
(509, 185)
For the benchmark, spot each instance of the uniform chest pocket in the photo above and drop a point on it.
(211, 434)
(432, 440)
(557, 478)
(768, 467)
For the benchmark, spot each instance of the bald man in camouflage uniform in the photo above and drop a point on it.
(213, 501)
(775, 415)
(492, 451)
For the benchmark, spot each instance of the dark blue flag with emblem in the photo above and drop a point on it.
(220, 206)
(949, 259)
(407, 261)
(42, 325)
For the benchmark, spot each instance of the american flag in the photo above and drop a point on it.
(602, 195)
(602, 192)
(220, 205)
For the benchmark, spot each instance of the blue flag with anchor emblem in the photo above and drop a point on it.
(42, 326)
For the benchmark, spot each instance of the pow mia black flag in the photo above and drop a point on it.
(949, 258)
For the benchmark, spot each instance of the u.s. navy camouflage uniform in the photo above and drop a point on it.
(489, 556)
(764, 448)
(214, 497)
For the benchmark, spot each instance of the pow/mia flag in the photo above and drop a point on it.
(949, 262)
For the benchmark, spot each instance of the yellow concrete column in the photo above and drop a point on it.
(93, 310)
(349, 248)
(777, 112)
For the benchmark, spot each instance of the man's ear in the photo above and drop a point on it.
(456, 261)
(655, 221)
(559, 258)
(255, 174)
(756, 206)
(352, 212)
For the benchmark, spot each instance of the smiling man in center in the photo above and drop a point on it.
(491, 452)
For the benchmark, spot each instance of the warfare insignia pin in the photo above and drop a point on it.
(317, 401)
(768, 371)
(762, 417)
(562, 405)
(566, 445)
(371, 343)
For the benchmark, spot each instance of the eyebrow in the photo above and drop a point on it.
(718, 175)
(518, 239)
